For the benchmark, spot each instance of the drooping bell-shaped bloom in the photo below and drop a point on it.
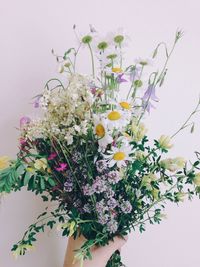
(149, 96)
(120, 78)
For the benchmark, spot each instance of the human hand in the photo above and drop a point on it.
(100, 255)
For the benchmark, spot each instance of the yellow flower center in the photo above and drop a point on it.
(119, 156)
(125, 105)
(100, 130)
(117, 70)
(114, 116)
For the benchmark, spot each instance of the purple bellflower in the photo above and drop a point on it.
(149, 96)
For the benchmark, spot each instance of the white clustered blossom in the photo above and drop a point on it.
(66, 110)
(35, 129)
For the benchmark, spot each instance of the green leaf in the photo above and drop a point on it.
(41, 215)
(20, 170)
(2, 183)
(44, 198)
(27, 178)
(51, 182)
(51, 224)
(42, 183)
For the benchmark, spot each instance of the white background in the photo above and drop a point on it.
(29, 29)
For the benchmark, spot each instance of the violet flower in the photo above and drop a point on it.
(36, 103)
(120, 78)
(23, 121)
(149, 96)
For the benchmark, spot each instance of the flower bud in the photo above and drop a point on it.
(155, 193)
(61, 69)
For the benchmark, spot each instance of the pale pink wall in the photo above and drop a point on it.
(28, 31)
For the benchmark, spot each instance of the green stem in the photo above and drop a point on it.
(92, 57)
(54, 79)
(185, 124)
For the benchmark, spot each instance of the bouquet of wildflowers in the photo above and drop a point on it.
(89, 149)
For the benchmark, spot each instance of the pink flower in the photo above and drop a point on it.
(22, 141)
(53, 155)
(61, 167)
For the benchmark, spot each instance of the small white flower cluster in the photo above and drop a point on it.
(35, 129)
(66, 111)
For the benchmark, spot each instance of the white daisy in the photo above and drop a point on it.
(101, 44)
(125, 105)
(118, 38)
(117, 119)
(119, 156)
(84, 39)
(144, 61)
(108, 57)
(101, 131)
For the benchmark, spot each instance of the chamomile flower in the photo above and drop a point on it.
(85, 39)
(101, 44)
(108, 57)
(125, 105)
(118, 38)
(119, 156)
(117, 119)
(102, 133)
(143, 61)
